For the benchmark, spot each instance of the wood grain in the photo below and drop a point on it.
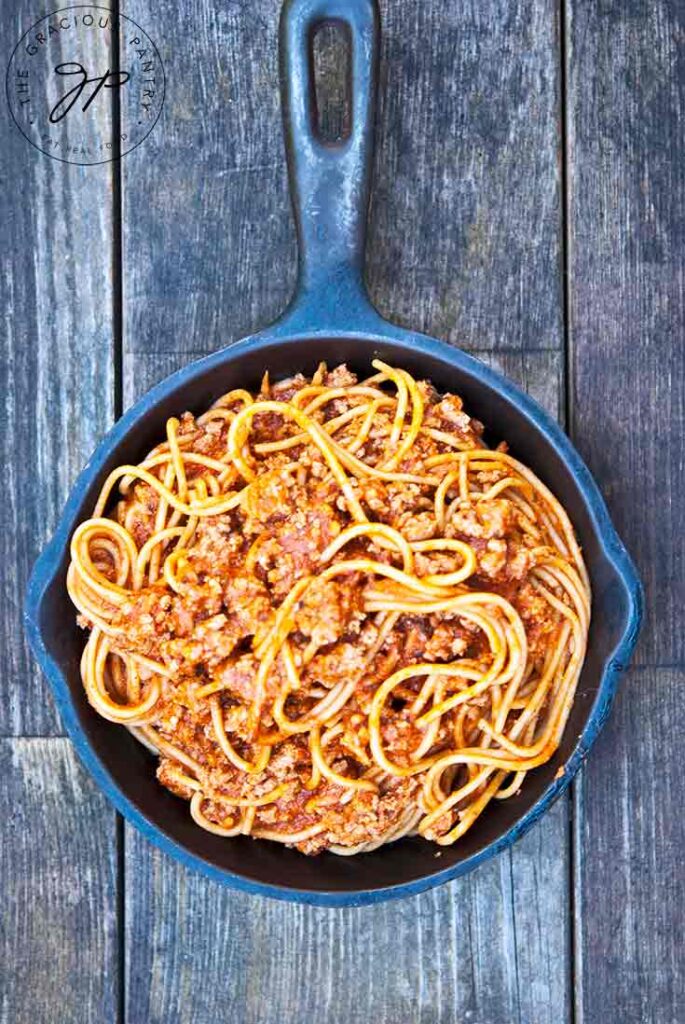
(630, 886)
(464, 243)
(493, 947)
(464, 239)
(209, 255)
(626, 102)
(58, 927)
(331, 67)
(56, 371)
(208, 240)
(58, 924)
(626, 75)
(464, 234)
(468, 952)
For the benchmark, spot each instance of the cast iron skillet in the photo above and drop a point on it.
(331, 318)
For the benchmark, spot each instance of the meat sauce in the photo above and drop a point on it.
(239, 567)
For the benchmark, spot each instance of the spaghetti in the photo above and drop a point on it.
(335, 615)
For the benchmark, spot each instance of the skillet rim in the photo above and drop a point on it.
(373, 330)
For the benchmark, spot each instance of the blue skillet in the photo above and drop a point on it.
(332, 318)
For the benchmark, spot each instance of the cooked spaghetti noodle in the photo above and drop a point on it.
(336, 616)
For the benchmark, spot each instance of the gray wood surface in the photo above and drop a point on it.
(58, 850)
(58, 922)
(56, 274)
(626, 196)
(481, 951)
(483, 105)
(208, 241)
(211, 256)
(630, 839)
(465, 231)
(626, 115)
(492, 948)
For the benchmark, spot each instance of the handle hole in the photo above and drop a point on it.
(330, 56)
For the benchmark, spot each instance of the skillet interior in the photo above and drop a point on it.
(410, 864)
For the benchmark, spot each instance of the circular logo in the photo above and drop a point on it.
(85, 85)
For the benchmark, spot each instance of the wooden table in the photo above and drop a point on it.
(529, 206)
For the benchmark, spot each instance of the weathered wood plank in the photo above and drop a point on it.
(56, 282)
(626, 77)
(493, 947)
(208, 240)
(626, 101)
(464, 239)
(331, 58)
(210, 256)
(58, 928)
(630, 886)
(464, 236)
(540, 373)
(466, 952)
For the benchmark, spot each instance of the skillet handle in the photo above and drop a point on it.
(329, 182)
